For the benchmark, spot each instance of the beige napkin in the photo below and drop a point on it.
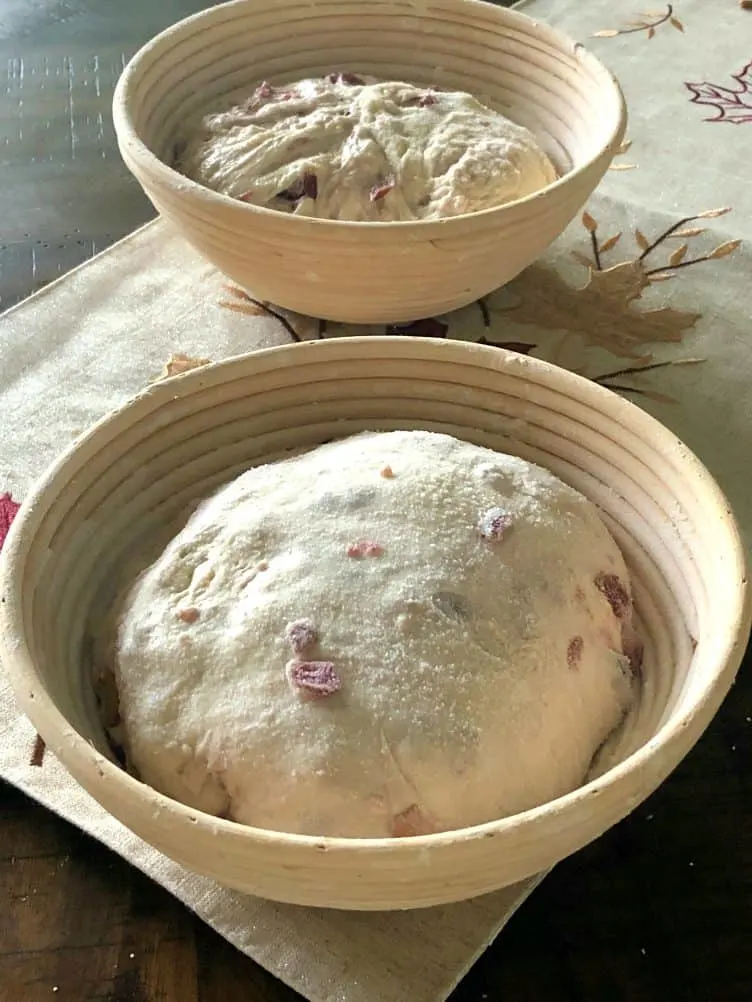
(657, 313)
(75, 350)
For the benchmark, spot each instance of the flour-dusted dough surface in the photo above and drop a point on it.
(458, 616)
(342, 148)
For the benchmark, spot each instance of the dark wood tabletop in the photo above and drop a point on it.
(659, 909)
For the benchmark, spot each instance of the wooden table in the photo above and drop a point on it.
(658, 909)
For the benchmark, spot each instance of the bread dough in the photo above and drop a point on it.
(335, 148)
(390, 634)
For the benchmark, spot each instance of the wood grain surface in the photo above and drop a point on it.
(659, 909)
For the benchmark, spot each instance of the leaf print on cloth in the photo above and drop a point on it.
(605, 314)
(647, 22)
(428, 327)
(620, 152)
(603, 311)
(610, 379)
(241, 302)
(8, 511)
(178, 363)
(732, 105)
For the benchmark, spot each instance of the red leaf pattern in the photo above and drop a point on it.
(8, 509)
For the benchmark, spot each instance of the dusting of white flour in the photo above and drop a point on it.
(390, 634)
(341, 147)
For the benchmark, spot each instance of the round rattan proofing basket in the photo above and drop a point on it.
(118, 487)
(369, 272)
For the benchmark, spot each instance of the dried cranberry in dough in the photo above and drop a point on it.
(315, 678)
(365, 548)
(615, 593)
(301, 635)
(574, 651)
(494, 523)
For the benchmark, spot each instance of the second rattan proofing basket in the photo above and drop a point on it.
(121, 484)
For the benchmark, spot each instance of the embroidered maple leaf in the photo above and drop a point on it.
(733, 105)
(602, 311)
(8, 510)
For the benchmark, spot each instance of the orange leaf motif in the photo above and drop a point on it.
(650, 20)
(179, 363)
(589, 222)
(678, 255)
(723, 250)
(242, 306)
(236, 292)
(609, 244)
(602, 312)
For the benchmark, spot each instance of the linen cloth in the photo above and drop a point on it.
(645, 292)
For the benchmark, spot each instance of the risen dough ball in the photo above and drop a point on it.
(342, 148)
(391, 634)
